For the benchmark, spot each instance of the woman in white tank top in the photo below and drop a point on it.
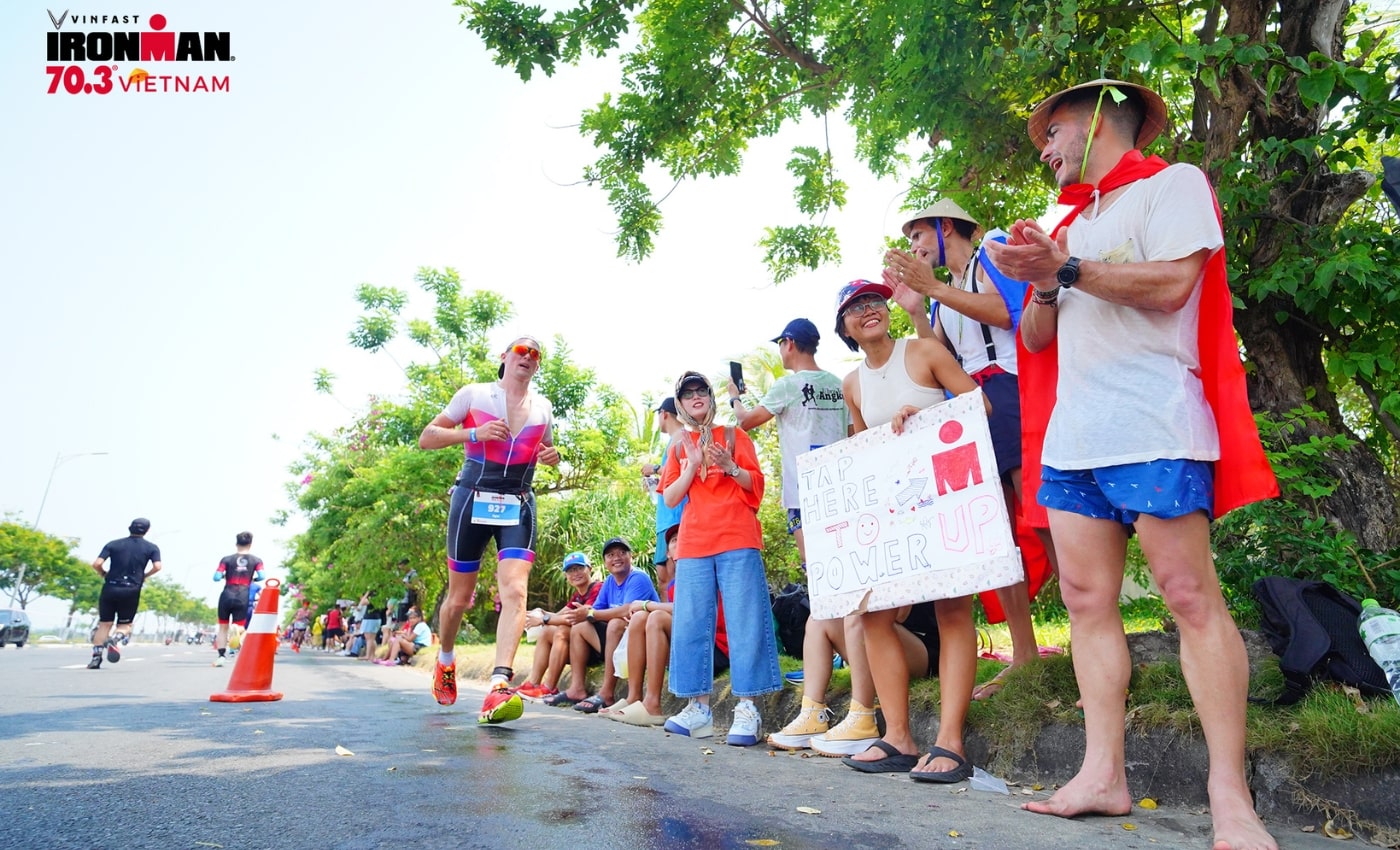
(897, 379)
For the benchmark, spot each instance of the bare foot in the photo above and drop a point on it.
(1083, 796)
(1239, 828)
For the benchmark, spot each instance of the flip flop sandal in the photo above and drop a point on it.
(957, 774)
(590, 705)
(559, 700)
(991, 687)
(893, 762)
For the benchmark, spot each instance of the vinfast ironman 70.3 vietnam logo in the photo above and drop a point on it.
(131, 53)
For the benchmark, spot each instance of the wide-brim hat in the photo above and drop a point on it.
(943, 209)
(1154, 122)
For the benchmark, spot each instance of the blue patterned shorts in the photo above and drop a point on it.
(1160, 488)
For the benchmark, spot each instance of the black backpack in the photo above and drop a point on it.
(791, 607)
(1312, 627)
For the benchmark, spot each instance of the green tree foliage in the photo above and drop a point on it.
(30, 559)
(1288, 107)
(376, 505)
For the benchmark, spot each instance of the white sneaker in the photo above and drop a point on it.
(743, 732)
(695, 721)
(218, 661)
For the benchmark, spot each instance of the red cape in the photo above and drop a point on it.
(1243, 474)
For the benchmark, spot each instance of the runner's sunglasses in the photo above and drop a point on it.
(526, 351)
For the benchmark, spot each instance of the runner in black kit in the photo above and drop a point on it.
(121, 591)
(238, 572)
(504, 429)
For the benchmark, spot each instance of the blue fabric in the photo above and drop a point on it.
(1159, 488)
(1013, 292)
(636, 587)
(748, 620)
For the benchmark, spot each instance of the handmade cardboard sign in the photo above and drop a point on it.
(891, 520)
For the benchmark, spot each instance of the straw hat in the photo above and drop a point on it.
(1152, 126)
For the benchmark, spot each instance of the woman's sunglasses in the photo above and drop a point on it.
(693, 392)
(526, 351)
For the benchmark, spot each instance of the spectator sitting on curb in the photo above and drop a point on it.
(649, 648)
(593, 638)
(415, 636)
(917, 629)
(552, 646)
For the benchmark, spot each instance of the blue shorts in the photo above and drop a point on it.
(1159, 488)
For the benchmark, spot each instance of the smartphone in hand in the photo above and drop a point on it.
(736, 374)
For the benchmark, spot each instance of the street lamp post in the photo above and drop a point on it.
(58, 460)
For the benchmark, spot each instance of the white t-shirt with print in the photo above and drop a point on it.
(811, 412)
(1128, 390)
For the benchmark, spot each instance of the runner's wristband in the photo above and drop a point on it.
(471, 435)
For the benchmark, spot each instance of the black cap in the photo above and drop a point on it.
(140, 525)
(667, 405)
(616, 541)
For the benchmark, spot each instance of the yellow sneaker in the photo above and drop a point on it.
(814, 719)
(853, 735)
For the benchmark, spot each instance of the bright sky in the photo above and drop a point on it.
(177, 266)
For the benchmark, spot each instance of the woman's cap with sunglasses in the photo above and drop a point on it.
(856, 289)
(692, 378)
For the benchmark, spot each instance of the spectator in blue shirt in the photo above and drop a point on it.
(598, 629)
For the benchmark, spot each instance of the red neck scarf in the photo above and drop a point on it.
(1243, 474)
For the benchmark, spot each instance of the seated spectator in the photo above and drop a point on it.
(552, 646)
(649, 648)
(917, 628)
(593, 638)
(404, 645)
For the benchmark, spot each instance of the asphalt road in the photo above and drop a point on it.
(136, 756)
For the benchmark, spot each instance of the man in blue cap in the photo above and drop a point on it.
(809, 407)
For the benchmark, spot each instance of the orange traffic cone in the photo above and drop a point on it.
(252, 671)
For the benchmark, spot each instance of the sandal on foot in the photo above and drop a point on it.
(635, 714)
(615, 708)
(957, 774)
(893, 762)
(590, 705)
(560, 700)
(991, 687)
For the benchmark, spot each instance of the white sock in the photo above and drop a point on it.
(447, 659)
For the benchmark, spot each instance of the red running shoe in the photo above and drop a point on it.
(445, 683)
(535, 693)
(501, 704)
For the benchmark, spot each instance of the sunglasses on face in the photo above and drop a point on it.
(693, 392)
(866, 305)
(526, 351)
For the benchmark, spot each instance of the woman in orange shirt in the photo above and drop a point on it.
(718, 552)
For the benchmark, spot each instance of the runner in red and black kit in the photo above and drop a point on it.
(121, 588)
(238, 572)
(504, 429)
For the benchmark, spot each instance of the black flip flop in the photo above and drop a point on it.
(559, 700)
(957, 774)
(893, 762)
(590, 705)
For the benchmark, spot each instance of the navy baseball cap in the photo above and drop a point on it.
(667, 405)
(800, 330)
(575, 559)
(616, 541)
(140, 525)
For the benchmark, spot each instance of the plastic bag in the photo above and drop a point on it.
(620, 658)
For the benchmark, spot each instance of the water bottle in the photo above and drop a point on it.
(1380, 629)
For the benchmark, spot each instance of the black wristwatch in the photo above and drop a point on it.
(544, 618)
(1068, 275)
(589, 615)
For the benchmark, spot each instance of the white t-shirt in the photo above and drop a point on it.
(965, 335)
(1128, 390)
(811, 412)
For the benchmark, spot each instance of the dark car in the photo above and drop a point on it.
(14, 627)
